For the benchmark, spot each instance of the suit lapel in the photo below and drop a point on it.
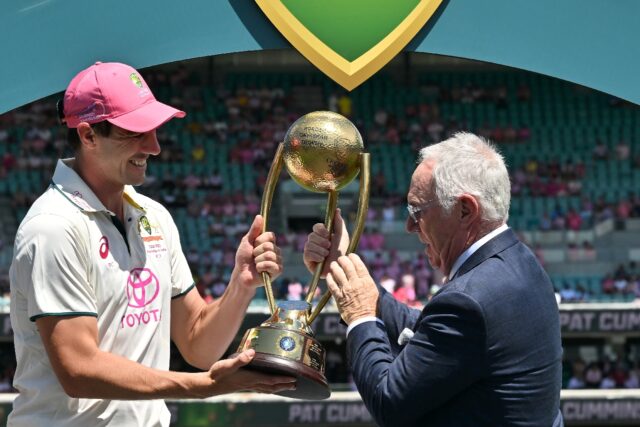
(502, 241)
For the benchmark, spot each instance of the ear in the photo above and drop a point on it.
(469, 209)
(86, 135)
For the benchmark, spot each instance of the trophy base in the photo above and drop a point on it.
(284, 345)
(310, 385)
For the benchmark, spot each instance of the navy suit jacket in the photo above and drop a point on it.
(486, 349)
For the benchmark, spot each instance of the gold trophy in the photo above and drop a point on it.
(323, 152)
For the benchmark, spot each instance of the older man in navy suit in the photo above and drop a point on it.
(485, 351)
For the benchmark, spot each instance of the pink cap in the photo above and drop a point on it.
(117, 93)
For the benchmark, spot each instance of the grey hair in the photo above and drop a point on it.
(469, 164)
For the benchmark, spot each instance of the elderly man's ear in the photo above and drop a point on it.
(469, 209)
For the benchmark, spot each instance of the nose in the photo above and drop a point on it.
(410, 226)
(150, 144)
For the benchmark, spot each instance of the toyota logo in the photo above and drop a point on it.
(142, 287)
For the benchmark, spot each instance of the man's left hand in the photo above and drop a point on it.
(353, 288)
(256, 254)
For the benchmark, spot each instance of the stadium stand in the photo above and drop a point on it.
(572, 152)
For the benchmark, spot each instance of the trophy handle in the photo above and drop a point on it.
(332, 203)
(265, 206)
(361, 216)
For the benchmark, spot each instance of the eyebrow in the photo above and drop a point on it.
(412, 200)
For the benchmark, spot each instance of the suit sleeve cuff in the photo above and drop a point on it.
(363, 320)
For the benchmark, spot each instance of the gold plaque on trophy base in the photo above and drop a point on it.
(285, 345)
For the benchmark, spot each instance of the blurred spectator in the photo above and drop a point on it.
(602, 210)
(316, 295)
(435, 130)
(608, 284)
(623, 210)
(8, 161)
(218, 287)
(523, 93)
(406, 292)
(588, 251)
(5, 383)
(600, 151)
(586, 211)
(622, 151)
(379, 185)
(388, 212)
(634, 286)
(332, 102)
(573, 253)
(633, 379)
(577, 378)
(574, 220)
(607, 382)
(592, 375)
(388, 283)
(198, 153)
(620, 284)
(544, 224)
(568, 294)
(294, 291)
(345, 105)
(619, 374)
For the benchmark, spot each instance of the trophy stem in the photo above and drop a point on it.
(332, 203)
(363, 202)
(361, 216)
(265, 206)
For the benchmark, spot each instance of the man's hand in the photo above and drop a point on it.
(353, 288)
(227, 377)
(257, 253)
(320, 246)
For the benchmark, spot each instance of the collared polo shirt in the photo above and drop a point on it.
(70, 259)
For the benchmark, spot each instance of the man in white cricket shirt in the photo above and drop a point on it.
(100, 285)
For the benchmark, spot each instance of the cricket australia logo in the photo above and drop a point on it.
(136, 80)
(143, 224)
(349, 41)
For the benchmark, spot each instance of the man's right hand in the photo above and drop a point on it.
(320, 245)
(227, 377)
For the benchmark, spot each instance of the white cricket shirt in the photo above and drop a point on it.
(70, 259)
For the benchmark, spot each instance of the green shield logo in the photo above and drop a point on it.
(136, 80)
(349, 40)
(144, 223)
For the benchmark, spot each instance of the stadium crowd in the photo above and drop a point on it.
(602, 373)
(240, 135)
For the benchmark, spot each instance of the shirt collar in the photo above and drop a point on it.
(73, 187)
(473, 248)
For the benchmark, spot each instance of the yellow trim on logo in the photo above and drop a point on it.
(348, 74)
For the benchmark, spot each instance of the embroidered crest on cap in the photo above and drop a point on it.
(136, 80)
